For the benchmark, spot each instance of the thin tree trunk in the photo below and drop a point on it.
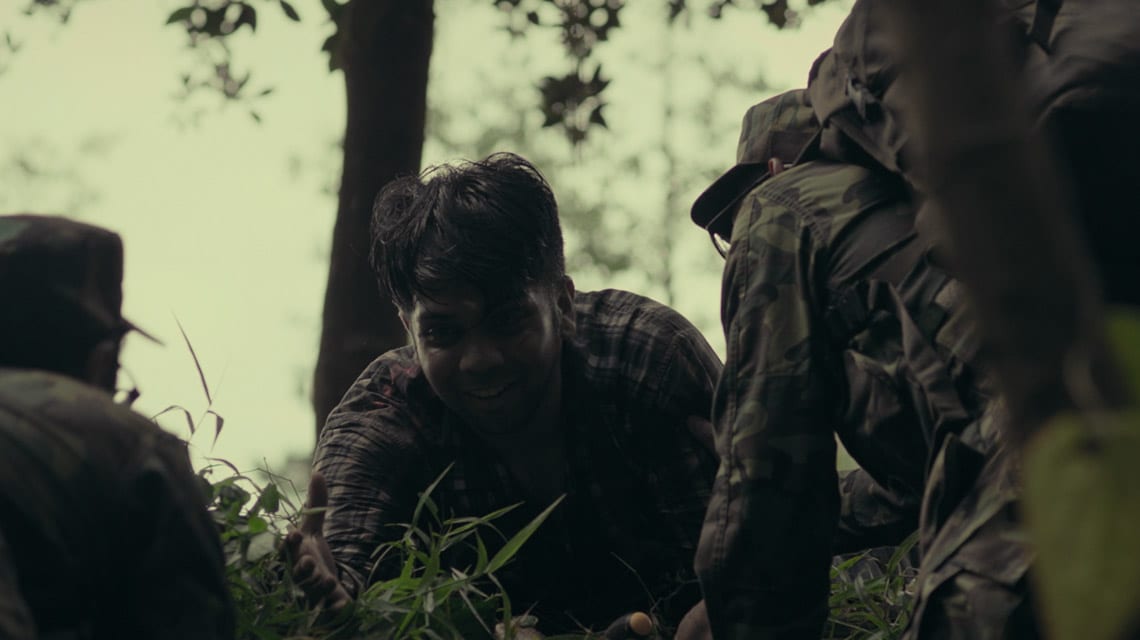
(998, 196)
(672, 204)
(386, 50)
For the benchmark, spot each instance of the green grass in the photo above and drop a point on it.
(871, 598)
(428, 599)
(425, 600)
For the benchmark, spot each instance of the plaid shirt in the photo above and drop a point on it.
(637, 482)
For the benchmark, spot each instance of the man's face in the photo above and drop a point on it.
(103, 364)
(493, 362)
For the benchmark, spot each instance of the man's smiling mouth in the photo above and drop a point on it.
(489, 393)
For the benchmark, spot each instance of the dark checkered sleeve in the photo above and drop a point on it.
(370, 455)
(670, 373)
(685, 463)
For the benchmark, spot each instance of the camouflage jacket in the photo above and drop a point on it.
(818, 346)
(103, 520)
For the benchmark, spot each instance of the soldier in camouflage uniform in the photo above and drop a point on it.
(837, 323)
(103, 530)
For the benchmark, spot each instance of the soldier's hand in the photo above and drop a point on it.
(314, 569)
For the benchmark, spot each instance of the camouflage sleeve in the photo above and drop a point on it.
(765, 546)
(684, 465)
(173, 542)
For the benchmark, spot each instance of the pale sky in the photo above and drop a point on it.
(225, 222)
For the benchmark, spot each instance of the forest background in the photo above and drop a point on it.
(226, 205)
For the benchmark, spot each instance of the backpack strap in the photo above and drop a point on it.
(849, 310)
(899, 287)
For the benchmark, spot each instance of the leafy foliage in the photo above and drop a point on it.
(267, 604)
(426, 599)
(1082, 504)
(573, 101)
(871, 599)
(210, 24)
(428, 595)
(40, 174)
(61, 8)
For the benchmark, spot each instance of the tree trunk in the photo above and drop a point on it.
(385, 49)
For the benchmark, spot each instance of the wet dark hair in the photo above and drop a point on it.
(492, 224)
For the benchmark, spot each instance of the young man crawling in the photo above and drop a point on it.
(528, 390)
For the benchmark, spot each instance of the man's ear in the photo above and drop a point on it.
(565, 303)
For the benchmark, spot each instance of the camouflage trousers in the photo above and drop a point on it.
(973, 577)
(969, 571)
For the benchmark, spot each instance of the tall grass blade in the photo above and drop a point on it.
(197, 364)
(512, 546)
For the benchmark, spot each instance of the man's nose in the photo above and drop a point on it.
(481, 353)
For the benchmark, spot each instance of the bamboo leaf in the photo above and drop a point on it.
(481, 551)
(1082, 506)
(515, 543)
(181, 14)
(270, 498)
(425, 496)
(1123, 329)
(197, 364)
(189, 419)
(219, 422)
(290, 12)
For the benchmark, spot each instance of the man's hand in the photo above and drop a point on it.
(314, 569)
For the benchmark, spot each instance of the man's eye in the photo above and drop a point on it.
(439, 335)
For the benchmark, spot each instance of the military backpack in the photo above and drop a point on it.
(1079, 63)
